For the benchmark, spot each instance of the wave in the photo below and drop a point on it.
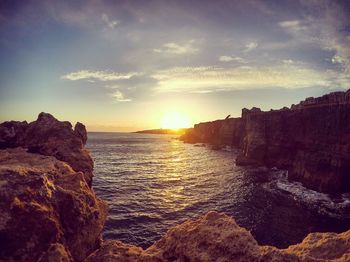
(325, 204)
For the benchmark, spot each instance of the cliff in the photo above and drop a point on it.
(48, 211)
(311, 140)
(220, 132)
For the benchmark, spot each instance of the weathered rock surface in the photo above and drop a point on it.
(217, 237)
(46, 209)
(48, 136)
(311, 140)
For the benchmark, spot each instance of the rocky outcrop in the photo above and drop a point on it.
(48, 212)
(217, 237)
(46, 209)
(311, 140)
(50, 137)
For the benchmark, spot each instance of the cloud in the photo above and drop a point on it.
(323, 26)
(225, 58)
(119, 97)
(290, 24)
(98, 75)
(109, 22)
(132, 89)
(178, 49)
(250, 46)
(285, 74)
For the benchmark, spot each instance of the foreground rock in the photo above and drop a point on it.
(47, 210)
(311, 140)
(217, 237)
(48, 136)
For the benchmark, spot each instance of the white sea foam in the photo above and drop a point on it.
(335, 206)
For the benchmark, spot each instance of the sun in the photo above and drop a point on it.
(175, 120)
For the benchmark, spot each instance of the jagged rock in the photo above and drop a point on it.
(217, 237)
(48, 136)
(213, 237)
(11, 133)
(46, 209)
(80, 130)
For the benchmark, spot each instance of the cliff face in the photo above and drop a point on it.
(311, 140)
(219, 132)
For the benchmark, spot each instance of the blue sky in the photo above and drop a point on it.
(120, 65)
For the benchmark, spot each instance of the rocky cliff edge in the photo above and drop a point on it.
(48, 211)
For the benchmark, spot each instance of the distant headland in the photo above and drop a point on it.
(162, 131)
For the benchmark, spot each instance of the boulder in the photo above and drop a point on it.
(51, 137)
(47, 210)
(213, 237)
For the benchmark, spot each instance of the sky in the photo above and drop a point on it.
(122, 65)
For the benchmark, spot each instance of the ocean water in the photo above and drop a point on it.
(153, 182)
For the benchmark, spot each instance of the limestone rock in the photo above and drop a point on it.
(217, 237)
(48, 136)
(11, 133)
(46, 209)
(213, 237)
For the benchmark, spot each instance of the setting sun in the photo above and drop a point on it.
(175, 120)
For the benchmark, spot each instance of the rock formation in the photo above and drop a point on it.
(311, 140)
(50, 137)
(46, 207)
(217, 237)
(48, 212)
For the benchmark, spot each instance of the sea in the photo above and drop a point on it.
(154, 182)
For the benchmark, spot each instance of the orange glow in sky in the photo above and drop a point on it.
(175, 120)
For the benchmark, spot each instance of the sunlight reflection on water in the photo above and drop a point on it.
(152, 182)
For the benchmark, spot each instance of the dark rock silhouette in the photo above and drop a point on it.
(311, 140)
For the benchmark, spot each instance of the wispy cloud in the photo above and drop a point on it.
(225, 58)
(290, 24)
(250, 46)
(178, 49)
(109, 22)
(119, 97)
(323, 27)
(286, 74)
(98, 75)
